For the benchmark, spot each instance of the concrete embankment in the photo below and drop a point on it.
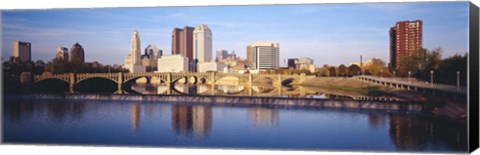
(245, 101)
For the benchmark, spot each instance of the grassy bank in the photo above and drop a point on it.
(347, 85)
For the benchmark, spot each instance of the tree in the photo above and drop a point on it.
(420, 63)
(323, 72)
(447, 70)
(342, 70)
(353, 70)
(375, 67)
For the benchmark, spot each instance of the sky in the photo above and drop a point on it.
(331, 34)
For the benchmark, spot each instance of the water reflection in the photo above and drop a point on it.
(263, 117)
(256, 90)
(135, 117)
(191, 120)
(408, 132)
(110, 122)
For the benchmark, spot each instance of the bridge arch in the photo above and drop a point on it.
(46, 84)
(96, 84)
(51, 78)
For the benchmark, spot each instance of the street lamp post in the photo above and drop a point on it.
(381, 73)
(409, 74)
(431, 77)
(394, 75)
(458, 79)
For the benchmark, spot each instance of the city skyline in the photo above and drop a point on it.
(323, 32)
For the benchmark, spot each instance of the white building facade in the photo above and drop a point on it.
(133, 61)
(202, 43)
(211, 66)
(264, 55)
(305, 63)
(172, 63)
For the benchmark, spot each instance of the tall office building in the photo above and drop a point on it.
(263, 55)
(77, 54)
(133, 60)
(22, 50)
(202, 43)
(182, 42)
(62, 53)
(221, 54)
(405, 39)
(135, 48)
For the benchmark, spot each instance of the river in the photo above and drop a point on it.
(187, 124)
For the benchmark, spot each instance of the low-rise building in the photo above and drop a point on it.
(211, 66)
(172, 63)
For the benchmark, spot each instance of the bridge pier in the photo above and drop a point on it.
(72, 82)
(120, 82)
(279, 81)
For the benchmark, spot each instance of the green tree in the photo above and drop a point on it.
(420, 63)
(447, 70)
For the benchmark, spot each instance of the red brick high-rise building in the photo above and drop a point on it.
(405, 38)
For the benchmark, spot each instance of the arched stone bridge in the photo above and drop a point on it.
(169, 78)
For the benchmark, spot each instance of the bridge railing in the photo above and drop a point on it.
(423, 84)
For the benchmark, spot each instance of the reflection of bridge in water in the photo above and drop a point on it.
(245, 91)
(169, 78)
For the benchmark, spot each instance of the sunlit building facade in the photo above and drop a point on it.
(405, 39)
(22, 50)
(263, 55)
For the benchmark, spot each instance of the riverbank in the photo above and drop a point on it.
(350, 86)
(452, 107)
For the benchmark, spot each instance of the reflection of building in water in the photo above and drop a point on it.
(186, 89)
(145, 88)
(262, 89)
(202, 120)
(230, 89)
(410, 132)
(263, 117)
(162, 89)
(203, 88)
(191, 119)
(135, 116)
(376, 120)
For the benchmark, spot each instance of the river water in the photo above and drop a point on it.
(174, 124)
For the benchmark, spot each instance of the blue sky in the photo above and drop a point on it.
(328, 33)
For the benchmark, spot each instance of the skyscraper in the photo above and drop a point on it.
(22, 50)
(133, 60)
(221, 54)
(182, 42)
(202, 43)
(62, 53)
(263, 55)
(405, 39)
(77, 54)
(135, 49)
